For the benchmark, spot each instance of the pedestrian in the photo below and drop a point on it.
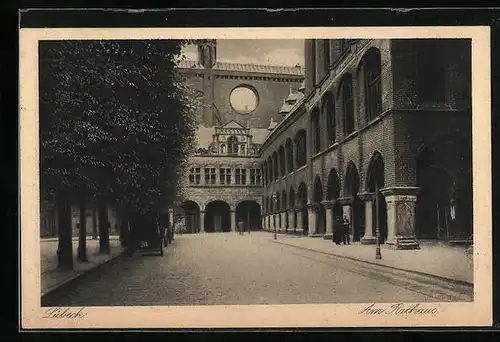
(241, 228)
(345, 237)
(338, 230)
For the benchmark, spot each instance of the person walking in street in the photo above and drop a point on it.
(338, 230)
(345, 235)
(241, 228)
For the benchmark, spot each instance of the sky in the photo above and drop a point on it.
(283, 52)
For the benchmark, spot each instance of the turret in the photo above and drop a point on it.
(207, 52)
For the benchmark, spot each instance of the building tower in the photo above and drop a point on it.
(207, 57)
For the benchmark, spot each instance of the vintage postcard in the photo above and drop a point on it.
(255, 177)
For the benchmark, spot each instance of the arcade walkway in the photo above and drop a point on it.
(229, 268)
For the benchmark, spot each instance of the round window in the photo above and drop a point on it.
(243, 99)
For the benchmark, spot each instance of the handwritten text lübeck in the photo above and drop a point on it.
(65, 313)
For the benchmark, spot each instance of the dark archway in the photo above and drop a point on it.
(351, 190)
(302, 198)
(249, 213)
(332, 194)
(191, 215)
(291, 205)
(217, 217)
(444, 203)
(321, 213)
(376, 180)
(284, 205)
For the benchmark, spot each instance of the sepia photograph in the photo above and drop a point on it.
(229, 170)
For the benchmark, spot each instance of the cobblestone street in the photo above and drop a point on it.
(228, 268)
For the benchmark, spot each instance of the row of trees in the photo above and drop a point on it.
(117, 125)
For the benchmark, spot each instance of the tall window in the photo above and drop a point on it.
(431, 71)
(316, 130)
(347, 104)
(326, 51)
(329, 112)
(255, 176)
(232, 145)
(275, 166)
(241, 176)
(225, 175)
(270, 170)
(281, 153)
(223, 149)
(195, 175)
(300, 142)
(373, 84)
(289, 154)
(210, 175)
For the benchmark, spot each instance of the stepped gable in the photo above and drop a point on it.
(251, 68)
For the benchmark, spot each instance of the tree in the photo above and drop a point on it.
(117, 123)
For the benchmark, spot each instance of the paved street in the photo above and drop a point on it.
(228, 268)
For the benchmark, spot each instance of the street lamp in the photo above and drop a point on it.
(275, 201)
(378, 254)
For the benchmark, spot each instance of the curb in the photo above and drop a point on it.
(80, 275)
(459, 282)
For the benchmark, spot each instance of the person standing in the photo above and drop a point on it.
(345, 237)
(338, 230)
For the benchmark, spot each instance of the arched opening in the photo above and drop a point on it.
(291, 205)
(357, 214)
(376, 181)
(321, 213)
(301, 145)
(346, 95)
(270, 171)
(248, 212)
(264, 173)
(217, 217)
(289, 154)
(232, 145)
(275, 166)
(332, 194)
(190, 214)
(372, 83)
(316, 130)
(282, 166)
(444, 203)
(328, 110)
(302, 197)
(284, 204)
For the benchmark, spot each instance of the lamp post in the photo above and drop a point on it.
(275, 201)
(378, 254)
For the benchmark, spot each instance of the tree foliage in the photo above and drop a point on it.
(116, 120)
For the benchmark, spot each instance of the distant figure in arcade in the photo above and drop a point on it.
(345, 235)
(338, 230)
(241, 228)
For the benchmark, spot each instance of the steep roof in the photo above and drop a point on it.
(254, 68)
(232, 124)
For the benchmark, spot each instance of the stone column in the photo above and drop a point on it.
(283, 220)
(312, 209)
(233, 220)
(299, 228)
(263, 222)
(401, 217)
(291, 220)
(171, 216)
(328, 205)
(368, 238)
(202, 221)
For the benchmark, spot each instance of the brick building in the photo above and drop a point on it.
(385, 117)
(241, 104)
(392, 115)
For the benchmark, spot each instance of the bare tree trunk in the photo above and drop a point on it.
(82, 242)
(65, 248)
(124, 231)
(102, 212)
(94, 223)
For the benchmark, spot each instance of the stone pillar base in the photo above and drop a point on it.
(402, 243)
(299, 232)
(368, 240)
(328, 236)
(315, 235)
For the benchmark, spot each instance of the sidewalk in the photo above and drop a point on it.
(52, 277)
(434, 259)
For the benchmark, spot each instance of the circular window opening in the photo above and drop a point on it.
(243, 99)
